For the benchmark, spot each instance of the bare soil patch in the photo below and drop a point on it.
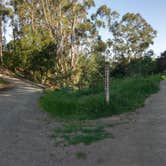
(6, 86)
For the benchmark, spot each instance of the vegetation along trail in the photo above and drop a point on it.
(25, 135)
(86, 52)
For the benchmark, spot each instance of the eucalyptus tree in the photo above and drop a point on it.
(54, 40)
(28, 33)
(4, 12)
(132, 36)
(69, 27)
(64, 23)
(105, 18)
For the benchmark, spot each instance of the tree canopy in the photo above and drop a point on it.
(59, 44)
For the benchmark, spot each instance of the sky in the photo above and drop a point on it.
(154, 11)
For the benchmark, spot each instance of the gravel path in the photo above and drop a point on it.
(142, 142)
(25, 135)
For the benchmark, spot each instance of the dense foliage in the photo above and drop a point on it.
(161, 62)
(141, 66)
(58, 43)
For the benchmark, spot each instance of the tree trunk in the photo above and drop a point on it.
(1, 55)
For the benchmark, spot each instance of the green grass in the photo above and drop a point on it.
(126, 95)
(76, 133)
(163, 76)
(81, 155)
(2, 81)
(72, 106)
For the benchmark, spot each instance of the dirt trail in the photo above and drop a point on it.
(25, 134)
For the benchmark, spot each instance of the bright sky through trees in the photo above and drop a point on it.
(154, 11)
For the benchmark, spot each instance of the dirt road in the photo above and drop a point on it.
(25, 135)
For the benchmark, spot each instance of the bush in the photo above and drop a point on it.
(142, 66)
(161, 63)
(126, 95)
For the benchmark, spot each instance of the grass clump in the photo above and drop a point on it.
(74, 134)
(126, 95)
(2, 81)
(81, 155)
(163, 76)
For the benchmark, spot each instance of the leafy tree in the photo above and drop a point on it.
(62, 23)
(105, 18)
(56, 43)
(132, 36)
(140, 66)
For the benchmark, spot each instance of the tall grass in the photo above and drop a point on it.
(126, 95)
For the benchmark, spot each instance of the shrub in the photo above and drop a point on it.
(126, 95)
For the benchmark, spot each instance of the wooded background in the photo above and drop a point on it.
(58, 42)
